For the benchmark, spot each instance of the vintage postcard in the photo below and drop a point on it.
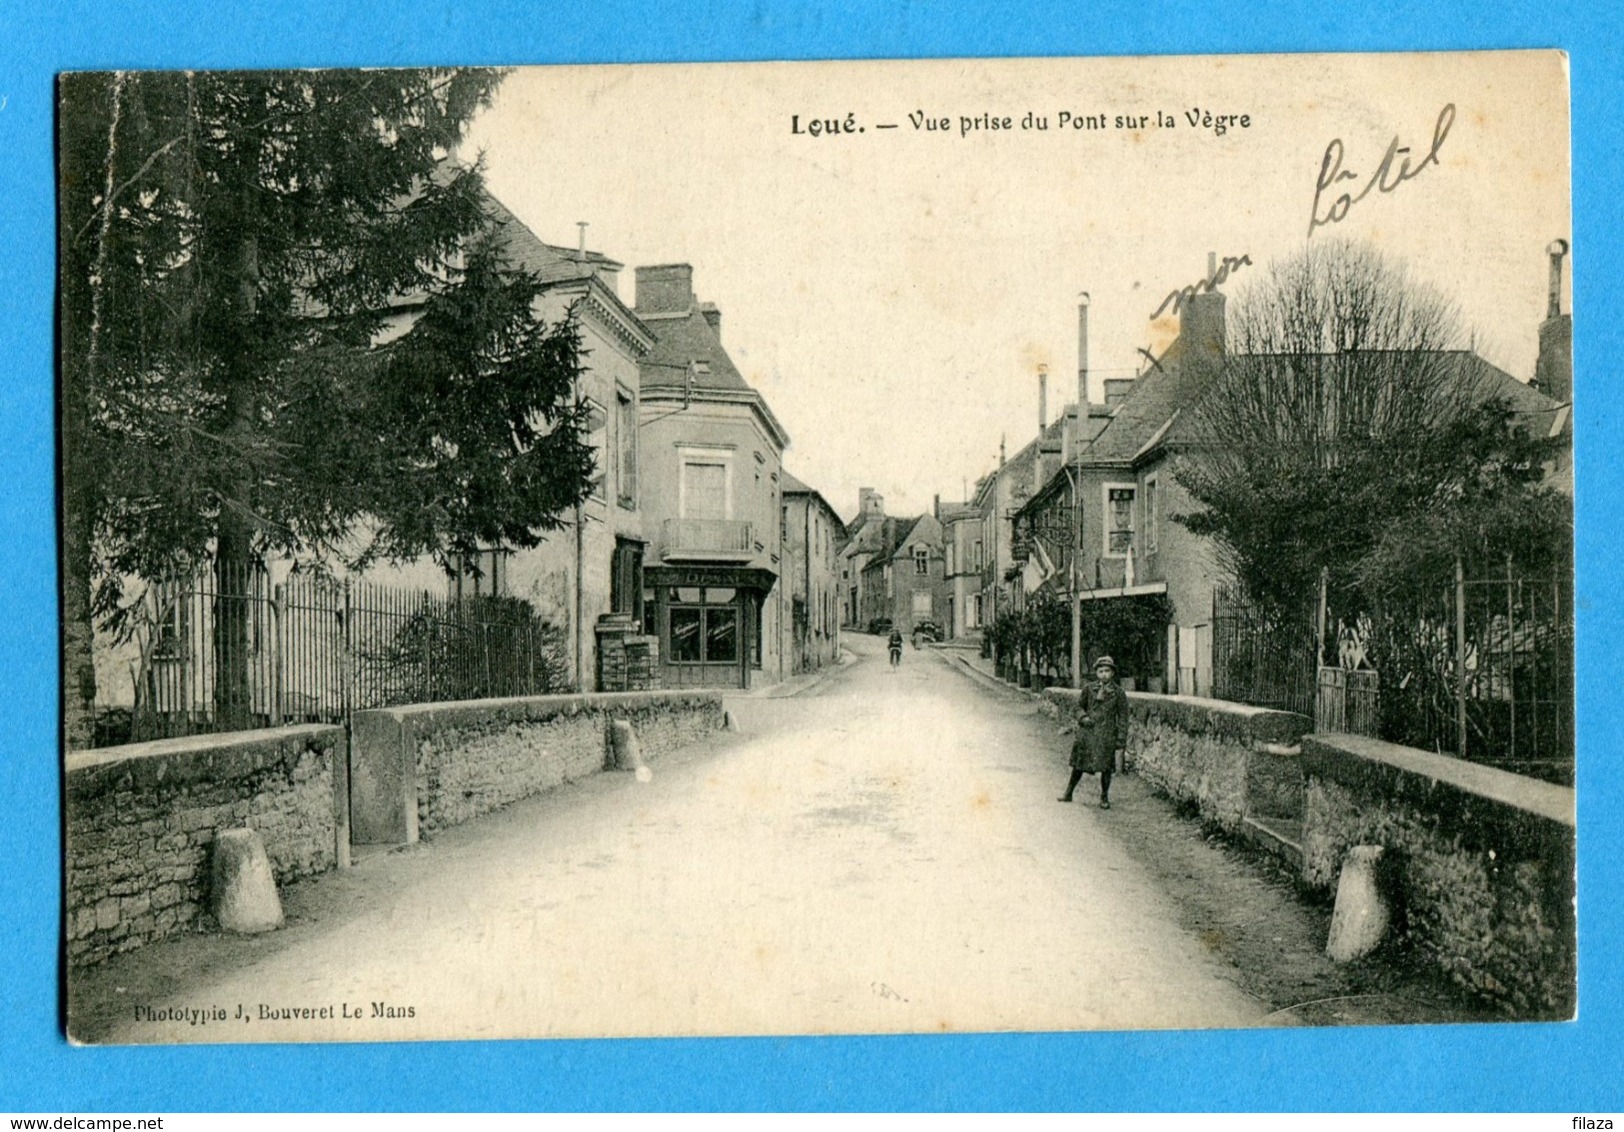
(817, 548)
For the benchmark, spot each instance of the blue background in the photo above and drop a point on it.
(1572, 1068)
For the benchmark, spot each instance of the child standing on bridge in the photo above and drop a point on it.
(1102, 730)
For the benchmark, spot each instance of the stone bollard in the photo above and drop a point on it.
(1360, 918)
(244, 888)
(625, 750)
(728, 722)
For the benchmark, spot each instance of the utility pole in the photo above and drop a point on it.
(1076, 588)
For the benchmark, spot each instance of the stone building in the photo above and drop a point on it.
(963, 560)
(1110, 510)
(813, 534)
(864, 536)
(711, 477)
(904, 581)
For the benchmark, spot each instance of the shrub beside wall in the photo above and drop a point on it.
(141, 819)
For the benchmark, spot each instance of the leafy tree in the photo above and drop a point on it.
(1343, 430)
(288, 326)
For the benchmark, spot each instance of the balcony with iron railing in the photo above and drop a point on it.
(707, 540)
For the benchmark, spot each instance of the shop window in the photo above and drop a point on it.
(704, 625)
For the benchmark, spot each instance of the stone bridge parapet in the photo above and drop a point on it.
(429, 766)
(142, 819)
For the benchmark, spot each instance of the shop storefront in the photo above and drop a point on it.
(708, 620)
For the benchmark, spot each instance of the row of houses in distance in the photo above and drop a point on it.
(1085, 510)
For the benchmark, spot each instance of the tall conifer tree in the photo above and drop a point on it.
(288, 327)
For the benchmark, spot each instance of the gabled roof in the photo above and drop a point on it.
(1157, 412)
(793, 485)
(682, 337)
(547, 261)
(885, 537)
(1156, 396)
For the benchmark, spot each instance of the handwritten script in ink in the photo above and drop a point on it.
(1177, 297)
(1394, 170)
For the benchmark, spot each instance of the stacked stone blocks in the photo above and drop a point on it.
(142, 818)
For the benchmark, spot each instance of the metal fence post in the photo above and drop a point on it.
(347, 661)
(279, 663)
(1460, 657)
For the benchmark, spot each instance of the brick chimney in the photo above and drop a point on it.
(1118, 390)
(666, 288)
(1553, 371)
(713, 318)
(1201, 319)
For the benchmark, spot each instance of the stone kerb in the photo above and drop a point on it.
(1199, 750)
(428, 766)
(1480, 861)
(141, 820)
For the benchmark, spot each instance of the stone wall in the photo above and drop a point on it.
(1206, 752)
(141, 818)
(421, 768)
(1480, 862)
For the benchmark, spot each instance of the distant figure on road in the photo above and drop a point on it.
(1102, 730)
(896, 647)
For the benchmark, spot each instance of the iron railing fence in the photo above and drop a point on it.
(1262, 657)
(226, 649)
(1480, 667)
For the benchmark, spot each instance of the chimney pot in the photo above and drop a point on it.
(1558, 250)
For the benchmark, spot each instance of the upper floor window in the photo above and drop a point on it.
(704, 490)
(479, 575)
(980, 561)
(596, 430)
(1118, 520)
(626, 427)
(921, 557)
(1153, 516)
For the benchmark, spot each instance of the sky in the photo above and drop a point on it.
(892, 293)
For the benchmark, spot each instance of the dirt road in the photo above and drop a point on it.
(881, 853)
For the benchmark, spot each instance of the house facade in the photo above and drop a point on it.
(813, 534)
(711, 475)
(904, 581)
(1108, 521)
(963, 559)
